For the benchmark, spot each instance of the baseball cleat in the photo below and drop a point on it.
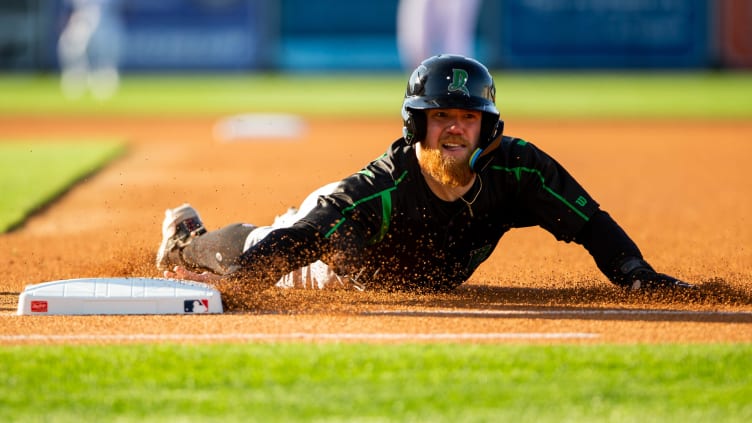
(179, 227)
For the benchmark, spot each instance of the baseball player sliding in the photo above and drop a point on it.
(423, 216)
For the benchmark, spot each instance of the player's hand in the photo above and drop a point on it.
(649, 279)
(636, 274)
(180, 272)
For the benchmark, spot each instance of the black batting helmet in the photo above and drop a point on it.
(450, 82)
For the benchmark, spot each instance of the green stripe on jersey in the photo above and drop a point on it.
(517, 171)
(386, 211)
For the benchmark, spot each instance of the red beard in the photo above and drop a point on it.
(450, 171)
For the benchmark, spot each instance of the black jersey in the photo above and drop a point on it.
(385, 227)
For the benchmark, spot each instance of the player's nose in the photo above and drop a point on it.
(454, 127)
(452, 122)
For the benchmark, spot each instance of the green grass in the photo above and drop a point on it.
(331, 382)
(586, 95)
(34, 173)
(623, 95)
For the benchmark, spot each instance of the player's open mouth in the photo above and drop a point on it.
(453, 146)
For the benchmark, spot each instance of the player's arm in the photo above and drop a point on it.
(619, 258)
(279, 253)
(561, 206)
(324, 234)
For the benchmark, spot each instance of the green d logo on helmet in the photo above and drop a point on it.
(459, 82)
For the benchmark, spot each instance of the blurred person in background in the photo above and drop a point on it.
(89, 48)
(429, 27)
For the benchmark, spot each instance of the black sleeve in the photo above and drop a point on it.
(609, 245)
(279, 253)
(550, 196)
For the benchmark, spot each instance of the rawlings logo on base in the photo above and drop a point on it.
(38, 306)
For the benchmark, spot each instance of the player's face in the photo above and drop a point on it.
(454, 132)
(451, 137)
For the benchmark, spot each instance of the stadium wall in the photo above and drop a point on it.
(324, 35)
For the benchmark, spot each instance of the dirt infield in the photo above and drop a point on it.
(679, 188)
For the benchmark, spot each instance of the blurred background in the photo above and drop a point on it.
(353, 35)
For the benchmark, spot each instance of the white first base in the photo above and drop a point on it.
(119, 296)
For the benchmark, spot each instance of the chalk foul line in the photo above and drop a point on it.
(568, 312)
(302, 336)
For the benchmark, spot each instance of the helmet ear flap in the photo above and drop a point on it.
(497, 131)
(414, 128)
(490, 128)
(482, 155)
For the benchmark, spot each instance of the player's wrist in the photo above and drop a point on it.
(625, 270)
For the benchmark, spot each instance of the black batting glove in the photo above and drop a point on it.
(650, 279)
(636, 274)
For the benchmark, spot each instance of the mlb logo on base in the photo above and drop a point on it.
(196, 306)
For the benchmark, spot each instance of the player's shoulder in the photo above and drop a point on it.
(398, 157)
(516, 152)
(385, 170)
(513, 147)
(511, 142)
